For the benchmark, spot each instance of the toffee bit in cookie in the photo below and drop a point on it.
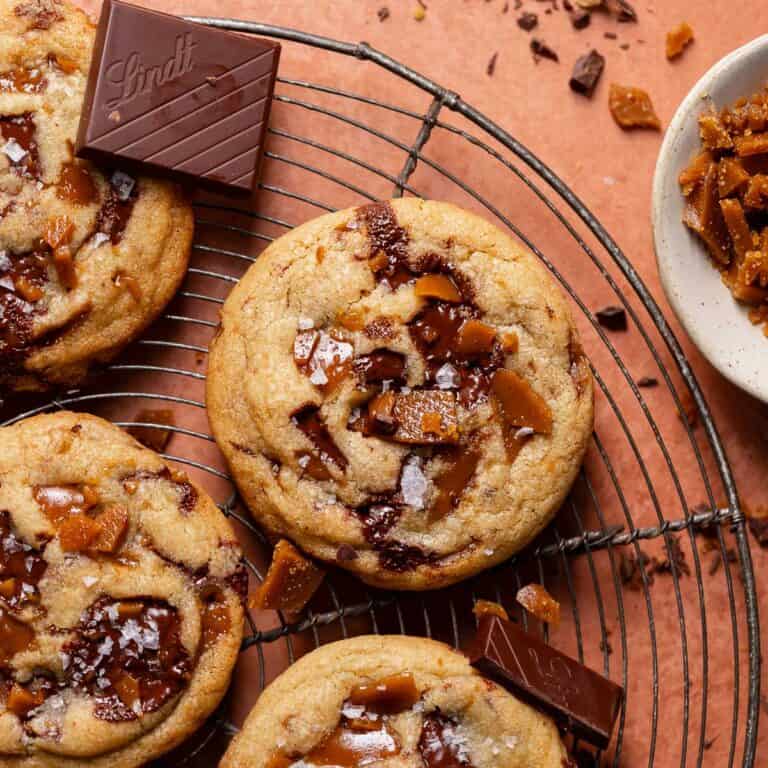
(325, 358)
(101, 534)
(76, 184)
(586, 72)
(520, 405)
(215, 618)
(538, 602)
(131, 284)
(386, 696)
(23, 80)
(474, 340)
(425, 417)
(115, 211)
(678, 39)
(632, 107)
(21, 701)
(613, 318)
(41, 13)
(454, 480)
(541, 50)
(290, 583)
(437, 286)
(59, 502)
(152, 437)
(15, 636)
(484, 607)
(21, 567)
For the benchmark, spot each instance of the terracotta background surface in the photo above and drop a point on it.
(610, 170)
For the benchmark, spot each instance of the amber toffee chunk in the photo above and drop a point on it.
(726, 198)
(678, 39)
(632, 107)
(290, 582)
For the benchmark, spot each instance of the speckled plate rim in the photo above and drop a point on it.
(715, 322)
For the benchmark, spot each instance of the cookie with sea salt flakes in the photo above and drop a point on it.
(400, 389)
(121, 598)
(392, 701)
(88, 257)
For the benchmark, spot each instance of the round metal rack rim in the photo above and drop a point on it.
(587, 542)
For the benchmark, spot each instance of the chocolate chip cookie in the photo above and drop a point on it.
(400, 389)
(121, 595)
(392, 700)
(88, 257)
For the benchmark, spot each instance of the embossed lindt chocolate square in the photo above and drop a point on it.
(175, 98)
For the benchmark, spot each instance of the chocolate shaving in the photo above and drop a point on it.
(541, 50)
(586, 72)
(491, 68)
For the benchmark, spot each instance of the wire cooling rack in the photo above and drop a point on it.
(649, 556)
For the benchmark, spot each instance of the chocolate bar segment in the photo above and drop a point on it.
(177, 98)
(578, 698)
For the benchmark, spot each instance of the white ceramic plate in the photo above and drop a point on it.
(716, 323)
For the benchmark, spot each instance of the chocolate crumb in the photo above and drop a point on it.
(759, 528)
(345, 553)
(709, 742)
(491, 68)
(675, 559)
(567, 5)
(624, 11)
(528, 21)
(518, 4)
(383, 13)
(613, 318)
(647, 381)
(610, 35)
(631, 570)
(606, 647)
(624, 46)
(541, 50)
(586, 74)
(690, 411)
(505, 8)
(580, 19)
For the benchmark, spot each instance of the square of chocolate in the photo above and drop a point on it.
(176, 98)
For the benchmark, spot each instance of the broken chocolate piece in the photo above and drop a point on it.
(581, 700)
(291, 581)
(586, 72)
(541, 50)
(380, 365)
(613, 318)
(186, 100)
(632, 108)
(580, 18)
(308, 420)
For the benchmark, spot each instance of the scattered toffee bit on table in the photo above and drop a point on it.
(539, 603)
(575, 696)
(610, 36)
(624, 46)
(678, 39)
(541, 50)
(290, 583)
(527, 21)
(647, 382)
(632, 108)
(128, 655)
(156, 439)
(383, 13)
(486, 607)
(586, 72)
(491, 67)
(215, 87)
(613, 318)
(420, 12)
